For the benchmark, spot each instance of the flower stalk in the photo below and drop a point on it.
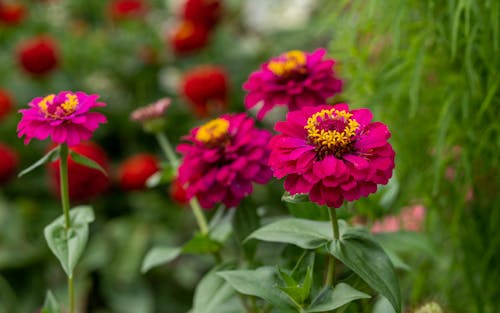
(174, 161)
(63, 170)
(330, 275)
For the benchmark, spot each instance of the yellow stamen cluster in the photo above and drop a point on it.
(332, 141)
(292, 61)
(213, 131)
(63, 109)
(44, 104)
(69, 106)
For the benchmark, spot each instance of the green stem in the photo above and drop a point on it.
(63, 172)
(71, 292)
(174, 161)
(167, 149)
(330, 275)
(199, 216)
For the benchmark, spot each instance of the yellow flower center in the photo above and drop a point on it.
(213, 132)
(58, 110)
(331, 131)
(292, 62)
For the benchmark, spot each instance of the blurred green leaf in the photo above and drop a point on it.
(383, 306)
(332, 298)
(214, 295)
(262, 283)
(300, 232)
(68, 244)
(50, 156)
(361, 253)
(83, 160)
(51, 305)
(220, 227)
(201, 243)
(297, 292)
(300, 206)
(245, 221)
(163, 176)
(159, 255)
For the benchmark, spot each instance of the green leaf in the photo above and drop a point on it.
(262, 283)
(159, 255)
(332, 298)
(200, 244)
(213, 294)
(51, 156)
(245, 221)
(51, 305)
(300, 232)
(220, 226)
(359, 251)
(83, 160)
(297, 292)
(163, 176)
(297, 198)
(68, 245)
(300, 207)
(383, 306)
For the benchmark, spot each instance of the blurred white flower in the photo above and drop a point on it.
(276, 15)
(57, 14)
(175, 6)
(169, 79)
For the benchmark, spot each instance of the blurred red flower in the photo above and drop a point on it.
(6, 103)
(12, 13)
(178, 192)
(38, 56)
(135, 171)
(84, 182)
(207, 12)
(8, 163)
(188, 36)
(206, 88)
(124, 9)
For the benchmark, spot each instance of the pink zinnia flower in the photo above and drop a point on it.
(296, 79)
(331, 153)
(64, 117)
(223, 158)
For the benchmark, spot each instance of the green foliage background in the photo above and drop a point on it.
(428, 69)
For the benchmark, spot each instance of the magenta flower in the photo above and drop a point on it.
(296, 79)
(222, 159)
(64, 117)
(331, 153)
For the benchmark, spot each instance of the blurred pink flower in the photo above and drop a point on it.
(295, 78)
(409, 219)
(222, 160)
(64, 117)
(331, 153)
(151, 112)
